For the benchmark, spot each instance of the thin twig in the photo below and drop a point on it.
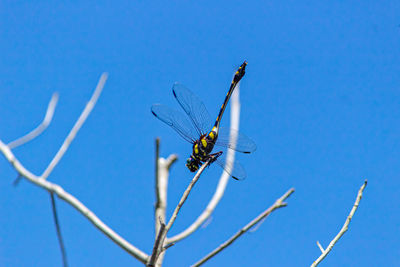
(278, 204)
(58, 229)
(168, 246)
(162, 234)
(17, 180)
(320, 247)
(185, 195)
(157, 244)
(344, 228)
(59, 191)
(77, 126)
(159, 212)
(40, 128)
(223, 181)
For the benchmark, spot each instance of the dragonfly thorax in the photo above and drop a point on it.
(203, 146)
(201, 150)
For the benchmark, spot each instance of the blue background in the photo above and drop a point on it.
(320, 99)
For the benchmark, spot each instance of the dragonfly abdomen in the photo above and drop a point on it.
(236, 79)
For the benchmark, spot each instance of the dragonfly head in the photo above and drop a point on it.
(192, 164)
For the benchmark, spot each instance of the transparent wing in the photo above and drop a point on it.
(194, 108)
(176, 120)
(244, 144)
(234, 169)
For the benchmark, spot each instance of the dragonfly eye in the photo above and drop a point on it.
(192, 164)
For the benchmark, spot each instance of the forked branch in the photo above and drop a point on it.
(77, 126)
(58, 190)
(62, 194)
(343, 230)
(159, 243)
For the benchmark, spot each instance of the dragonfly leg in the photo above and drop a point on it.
(214, 156)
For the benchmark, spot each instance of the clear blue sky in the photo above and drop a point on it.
(320, 98)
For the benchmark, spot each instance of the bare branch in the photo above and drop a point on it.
(58, 229)
(77, 126)
(162, 175)
(162, 234)
(278, 204)
(59, 191)
(344, 228)
(40, 128)
(223, 181)
(185, 195)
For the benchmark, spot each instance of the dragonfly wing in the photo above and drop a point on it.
(176, 120)
(233, 168)
(244, 144)
(194, 108)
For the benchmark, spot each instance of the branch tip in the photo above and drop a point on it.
(41, 127)
(320, 247)
(171, 160)
(17, 180)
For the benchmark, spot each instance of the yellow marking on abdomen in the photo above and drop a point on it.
(196, 149)
(204, 142)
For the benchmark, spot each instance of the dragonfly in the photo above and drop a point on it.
(198, 129)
